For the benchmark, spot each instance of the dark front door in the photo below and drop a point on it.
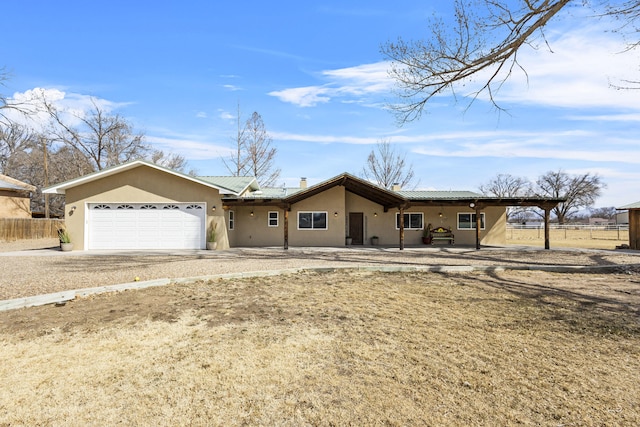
(356, 227)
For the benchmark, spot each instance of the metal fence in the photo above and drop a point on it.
(29, 228)
(569, 231)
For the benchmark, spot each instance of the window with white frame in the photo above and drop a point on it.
(312, 221)
(273, 219)
(232, 220)
(412, 221)
(467, 221)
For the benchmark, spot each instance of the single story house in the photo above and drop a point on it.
(140, 205)
(634, 224)
(15, 198)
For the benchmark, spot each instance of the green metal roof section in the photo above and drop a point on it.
(440, 195)
(270, 193)
(235, 184)
(635, 205)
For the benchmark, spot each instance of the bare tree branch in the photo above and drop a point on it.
(385, 167)
(486, 38)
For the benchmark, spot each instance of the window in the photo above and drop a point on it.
(170, 207)
(273, 219)
(467, 221)
(148, 207)
(125, 207)
(232, 220)
(312, 220)
(102, 207)
(412, 221)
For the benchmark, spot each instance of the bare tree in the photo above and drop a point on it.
(386, 167)
(608, 212)
(105, 139)
(258, 154)
(14, 138)
(581, 191)
(171, 160)
(485, 39)
(236, 164)
(508, 186)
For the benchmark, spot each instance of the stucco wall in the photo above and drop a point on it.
(252, 230)
(140, 185)
(14, 204)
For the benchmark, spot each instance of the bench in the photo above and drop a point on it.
(441, 233)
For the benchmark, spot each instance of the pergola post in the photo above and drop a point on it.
(286, 228)
(401, 228)
(478, 226)
(547, 214)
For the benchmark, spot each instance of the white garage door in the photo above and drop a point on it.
(146, 225)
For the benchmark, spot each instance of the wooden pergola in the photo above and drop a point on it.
(393, 200)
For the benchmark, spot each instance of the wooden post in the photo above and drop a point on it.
(401, 228)
(286, 228)
(46, 178)
(478, 226)
(547, 214)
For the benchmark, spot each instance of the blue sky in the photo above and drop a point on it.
(314, 71)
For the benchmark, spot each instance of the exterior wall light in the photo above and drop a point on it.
(251, 214)
(335, 214)
(472, 205)
(213, 208)
(375, 214)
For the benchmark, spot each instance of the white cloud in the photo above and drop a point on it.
(201, 115)
(579, 72)
(71, 106)
(309, 96)
(343, 83)
(191, 149)
(225, 115)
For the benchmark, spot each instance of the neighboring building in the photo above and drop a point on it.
(634, 224)
(140, 205)
(15, 198)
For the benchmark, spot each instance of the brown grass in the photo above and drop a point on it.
(347, 348)
(569, 238)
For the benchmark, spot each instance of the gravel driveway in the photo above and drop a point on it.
(40, 268)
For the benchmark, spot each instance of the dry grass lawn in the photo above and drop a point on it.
(340, 348)
(568, 238)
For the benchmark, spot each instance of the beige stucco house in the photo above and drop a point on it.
(15, 198)
(140, 205)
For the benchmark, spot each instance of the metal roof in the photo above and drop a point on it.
(235, 184)
(435, 195)
(8, 183)
(635, 205)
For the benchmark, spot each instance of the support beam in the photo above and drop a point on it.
(401, 228)
(286, 229)
(547, 214)
(478, 225)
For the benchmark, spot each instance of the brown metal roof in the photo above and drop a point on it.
(387, 199)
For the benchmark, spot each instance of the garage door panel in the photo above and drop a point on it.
(146, 226)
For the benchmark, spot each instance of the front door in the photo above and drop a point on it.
(356, 227)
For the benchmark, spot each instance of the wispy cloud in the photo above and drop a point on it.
(581, 70)
(190, 148)
(343, 83)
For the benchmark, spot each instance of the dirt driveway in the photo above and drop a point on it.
(40, 271)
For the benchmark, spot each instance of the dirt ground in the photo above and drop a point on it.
(335, 348)
(346, 347)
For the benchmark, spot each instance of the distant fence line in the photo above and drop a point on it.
(569, 231)
(29, 228)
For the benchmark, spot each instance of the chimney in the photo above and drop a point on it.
(303, 183)
(396, 186)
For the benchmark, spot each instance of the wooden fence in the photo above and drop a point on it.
(29, 228)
